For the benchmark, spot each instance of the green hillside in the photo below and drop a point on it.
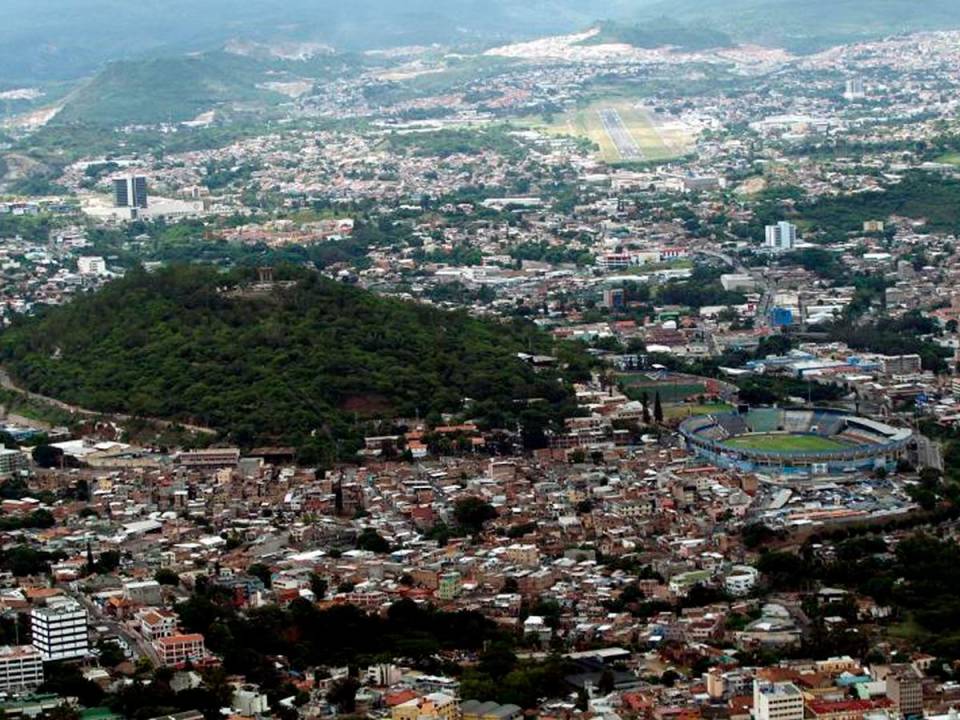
(660, 32)
(311, 365)
(167, 90)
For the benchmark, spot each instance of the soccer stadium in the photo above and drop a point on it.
(776, 441)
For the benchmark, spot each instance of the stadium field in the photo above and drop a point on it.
(784, 443)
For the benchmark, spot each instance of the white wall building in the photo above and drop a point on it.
(21, 668)
(91, 265)
(777, 701)
(781, 237)
(740, 580)
(59, 631)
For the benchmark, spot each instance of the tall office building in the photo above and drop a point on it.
(781, 237)
(854, 89)
(905, 689)
(130, 191)
(777, 701)
(59, 631)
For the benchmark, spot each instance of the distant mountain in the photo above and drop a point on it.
(306, 365)
(808, 25)
(68, 39)
(57, 39)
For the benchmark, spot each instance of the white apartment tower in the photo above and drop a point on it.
(781, 237)
(59, 631)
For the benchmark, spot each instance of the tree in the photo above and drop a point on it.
(471, 513)
(110, 654)
(657, 409)
(645, 401)
(108, 561)
(606, 683)
(338, 498)
(669, 678)
(41, 519)
(318, 585)
(261, 571)
(166, 576)
(343, 694)
(47, 456)
(369, 539)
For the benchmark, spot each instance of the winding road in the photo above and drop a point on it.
(7, 383)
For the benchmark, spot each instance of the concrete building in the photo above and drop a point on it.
(777, 701)
(59, 631)
(177, 649)
(854, 89)
(143, 592)
(435, 706)
(130, 191)
(905, 690)
(249, 701)
(781, 237)
(450, 585)
(476, 710)
(210, 458)
(11, 461)
(901, 364)
(91, 265)
(740, 580)
(21, 668)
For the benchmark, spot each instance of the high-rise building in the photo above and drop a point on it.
(614, 298)
(777, 701)
(59, 631)
(905, 689)
(130, 191)
(11, 461)
(781, 237)
(854, 89)
(21, 668)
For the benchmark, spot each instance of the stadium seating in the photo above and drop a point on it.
(764, 420)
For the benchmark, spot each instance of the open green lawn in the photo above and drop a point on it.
(685, 411)
(950, 159)
(670, 393)
(785, 443)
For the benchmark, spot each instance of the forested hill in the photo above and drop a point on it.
(310, 365)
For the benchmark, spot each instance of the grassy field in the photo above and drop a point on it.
(950, 159)
(669, 393)
(585, 123)
(784, 443)
(684, 411)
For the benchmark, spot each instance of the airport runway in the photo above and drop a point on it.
(621, 137)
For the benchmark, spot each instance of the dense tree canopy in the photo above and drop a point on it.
(307, 364)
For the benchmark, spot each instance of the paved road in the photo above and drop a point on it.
(737, 266)
(7, 383)
(620, 135)
(134, 639)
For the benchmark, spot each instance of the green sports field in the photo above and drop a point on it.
(785, 443)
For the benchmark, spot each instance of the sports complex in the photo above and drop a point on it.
(801, 441)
